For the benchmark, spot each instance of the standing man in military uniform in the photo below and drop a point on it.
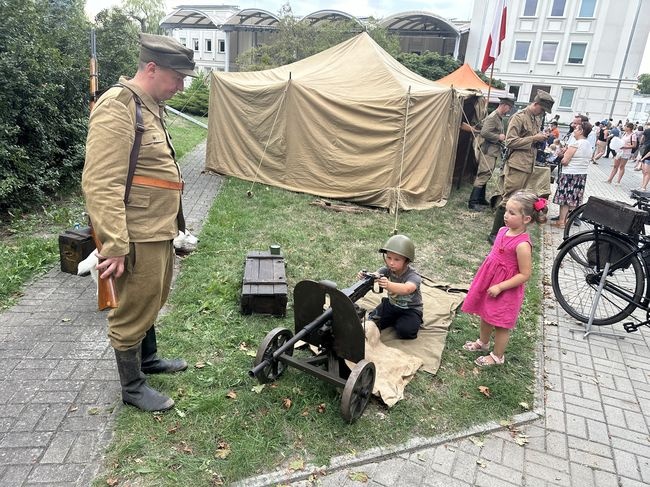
(137, 232)
(524, 132)
(493, 135)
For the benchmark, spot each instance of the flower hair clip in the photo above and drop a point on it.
(540, 204)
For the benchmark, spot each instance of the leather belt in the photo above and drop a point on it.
(158, 183)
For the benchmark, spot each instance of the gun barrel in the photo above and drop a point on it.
(308, 329)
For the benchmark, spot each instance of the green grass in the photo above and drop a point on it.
(28, 241)
(211, 438)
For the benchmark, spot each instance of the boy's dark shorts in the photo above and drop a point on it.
(405, 321)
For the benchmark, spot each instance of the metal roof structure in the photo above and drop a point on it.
(329, 16)
(419, 22)
(251, 19)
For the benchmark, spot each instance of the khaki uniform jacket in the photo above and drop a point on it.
(492, 128)
(519, 139)
(151, 213)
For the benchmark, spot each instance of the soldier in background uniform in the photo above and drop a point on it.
(492, 133)
(137, 235)
(524, 132)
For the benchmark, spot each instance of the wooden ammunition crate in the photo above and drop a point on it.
(614, 215)
(264, 289)
(74, 246)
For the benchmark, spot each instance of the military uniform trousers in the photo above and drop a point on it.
(513, 180)
(486, 167)
(142, 290)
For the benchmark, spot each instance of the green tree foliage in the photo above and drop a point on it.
(118, 46)
(148, 13)
(296, 40)
(644, 84)
(43, 111)
(194, 99)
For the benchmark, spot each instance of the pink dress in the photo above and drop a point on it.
(499, 265)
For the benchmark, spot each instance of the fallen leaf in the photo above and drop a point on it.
(305, 413)
(93, 411)
(521, 440)
(481, 463)
(321, 408)
(485, 390)
(186, 448)
(139, 461)
(180, 413)
(476, 441)
(358, 476)
(223, 450)
(73, 409)
(231, 394)
(505, 423)
(199, 365)
(525, 405)
(475, 371)
(297, 464)
(65, 320)
(251, 353)
(243, 346)
(286, 403)
(173, 429)
(259, 388)
(158, 418)
(112, 481)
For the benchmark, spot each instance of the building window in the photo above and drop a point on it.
(514, 89)
(196, 44)
(587, 8)
(521, 50)
(535, 88)
(530, 8)
(577, 53)
(183, 41)
(549, 49)
(208, 45)
(566, 98)
(222, 46)
(557, 10)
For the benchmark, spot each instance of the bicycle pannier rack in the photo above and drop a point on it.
(614, 215)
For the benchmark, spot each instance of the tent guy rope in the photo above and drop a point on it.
(401, 164)
(249, 193)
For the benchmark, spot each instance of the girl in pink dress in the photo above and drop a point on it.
(497, 291)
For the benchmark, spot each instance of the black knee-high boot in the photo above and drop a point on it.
(474, 202)
(498, 223)
(482, 200)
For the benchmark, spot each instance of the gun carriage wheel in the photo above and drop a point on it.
(357, 390)
(272, 342)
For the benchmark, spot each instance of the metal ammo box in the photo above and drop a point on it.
(74, 246)
(615, 215)
(264, 289)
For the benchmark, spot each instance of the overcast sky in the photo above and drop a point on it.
(450, 9)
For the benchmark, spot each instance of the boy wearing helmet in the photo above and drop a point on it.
(402, 309)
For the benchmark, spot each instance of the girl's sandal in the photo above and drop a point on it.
(490, 360)
(477, 346)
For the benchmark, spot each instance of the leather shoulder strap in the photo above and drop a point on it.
(135, 150)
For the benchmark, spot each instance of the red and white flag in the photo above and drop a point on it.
(493, 48)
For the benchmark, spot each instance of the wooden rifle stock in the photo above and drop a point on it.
(106, 290)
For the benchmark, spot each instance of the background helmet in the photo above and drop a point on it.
(400, 244)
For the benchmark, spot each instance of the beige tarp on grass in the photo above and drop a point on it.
(332, 125)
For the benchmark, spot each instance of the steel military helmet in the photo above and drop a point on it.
(401, 245)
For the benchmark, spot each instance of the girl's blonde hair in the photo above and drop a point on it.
(529, 202)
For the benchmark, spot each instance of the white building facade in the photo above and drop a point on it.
(585, 53)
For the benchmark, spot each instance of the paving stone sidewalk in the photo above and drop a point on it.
(58, 384)
(593, 406)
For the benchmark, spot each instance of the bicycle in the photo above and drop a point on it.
(601, 277)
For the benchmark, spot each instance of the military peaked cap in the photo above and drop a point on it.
(504, 100)
(545, 100)
(168, 53)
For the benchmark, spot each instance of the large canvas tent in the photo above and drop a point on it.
(348, 123)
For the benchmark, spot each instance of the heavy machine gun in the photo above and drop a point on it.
(336, 331)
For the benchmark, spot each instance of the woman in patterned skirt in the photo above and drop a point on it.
(571, 184)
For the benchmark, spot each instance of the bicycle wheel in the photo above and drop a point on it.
(575, 279)
(574, 224)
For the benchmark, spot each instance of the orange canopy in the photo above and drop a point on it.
(465, 78)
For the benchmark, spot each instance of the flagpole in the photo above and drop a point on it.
(490, 85)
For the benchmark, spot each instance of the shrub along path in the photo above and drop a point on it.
(58, 383)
